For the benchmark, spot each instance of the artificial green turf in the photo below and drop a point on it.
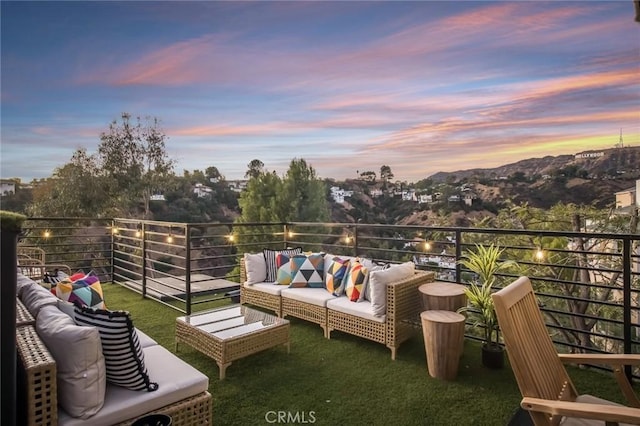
(346, 380)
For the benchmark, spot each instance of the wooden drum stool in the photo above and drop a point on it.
(443, 342)
(442, 296)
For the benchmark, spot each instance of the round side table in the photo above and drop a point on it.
(444, 296)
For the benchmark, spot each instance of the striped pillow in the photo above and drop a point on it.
(123, 356)
(270, 260)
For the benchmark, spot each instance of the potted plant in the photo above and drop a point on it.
(485, 262)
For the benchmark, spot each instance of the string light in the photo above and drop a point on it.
(539, 255)
(114, 230)
(46, 234)
(139, 231)
(170, 236)
(427, 245)
(231, 238)
(291, 234)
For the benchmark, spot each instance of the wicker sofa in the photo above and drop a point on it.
(332, 313)
(182, 390)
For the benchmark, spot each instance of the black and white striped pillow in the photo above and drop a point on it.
(123, 356)
(270, 259)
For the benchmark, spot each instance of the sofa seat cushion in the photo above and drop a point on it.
(176, 379)
(269, 288)
(362, 309)
(313, 296)
(145, 340)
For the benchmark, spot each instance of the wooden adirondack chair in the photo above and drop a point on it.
(548, 392)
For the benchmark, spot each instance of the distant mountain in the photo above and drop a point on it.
(606, 163)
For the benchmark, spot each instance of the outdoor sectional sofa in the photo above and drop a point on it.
(385, 320)
(62, 378)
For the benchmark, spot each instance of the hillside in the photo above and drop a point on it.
(611, 163)
(590, 178)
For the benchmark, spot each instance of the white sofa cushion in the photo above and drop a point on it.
(34, 297)
(363, 309)
(145, 340)
(176, 379)
(269, 288)
(313, 296)
(255, 268)
(378, 281)
(81, 372)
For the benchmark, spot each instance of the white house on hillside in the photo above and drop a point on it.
(7, 187)
(338, 194)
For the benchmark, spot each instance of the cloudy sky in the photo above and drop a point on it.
(349, 86)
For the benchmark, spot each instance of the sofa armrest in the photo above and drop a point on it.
(36, 378)
(403, 304)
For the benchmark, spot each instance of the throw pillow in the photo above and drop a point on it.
(356, 281)
(335, 275)
(270, 260)
(81, 372)
(85, 291)
(255, 268)
(307, 270)
(379, 281)
(123, 355)
(283, 263)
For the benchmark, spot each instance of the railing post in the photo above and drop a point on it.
(458, 255)
(355, 240)
(143, 234)
(113, 249)
(626, 300)
(187, 243)
(286, 235)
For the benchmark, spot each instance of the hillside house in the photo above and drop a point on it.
(375, 193)
(628, 197)
(237, 185)
(202, 191)
(338, 194)
(7, 187)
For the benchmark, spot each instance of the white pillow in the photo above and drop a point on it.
(255, 267)
(81, 371)
(378, 281)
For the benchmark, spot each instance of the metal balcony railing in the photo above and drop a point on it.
(587, 283)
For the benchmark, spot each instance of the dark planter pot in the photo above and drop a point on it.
(493, 356)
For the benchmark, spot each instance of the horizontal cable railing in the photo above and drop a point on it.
(587, 283)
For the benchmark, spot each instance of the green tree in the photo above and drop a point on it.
(134, 160)
(385, 173)
(75, 190)
(254, 169)
(302, 197)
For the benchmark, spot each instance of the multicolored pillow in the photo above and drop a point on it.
(270, 260)
(335, 276)
(307, 270)
(356, 281)
(283, 263)
(83, 291)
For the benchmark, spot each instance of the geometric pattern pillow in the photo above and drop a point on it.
(283, 263)
(356, 281)
(335, 276)
(270, 260)
(307, 270)
(85, 291)
(123, 355)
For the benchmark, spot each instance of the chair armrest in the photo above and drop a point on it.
(403, 301)
(608, 413)
(608, 359)
(617, 363)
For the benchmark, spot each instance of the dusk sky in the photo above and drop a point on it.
(349, 86)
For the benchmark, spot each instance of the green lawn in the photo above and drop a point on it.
(346, 380)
